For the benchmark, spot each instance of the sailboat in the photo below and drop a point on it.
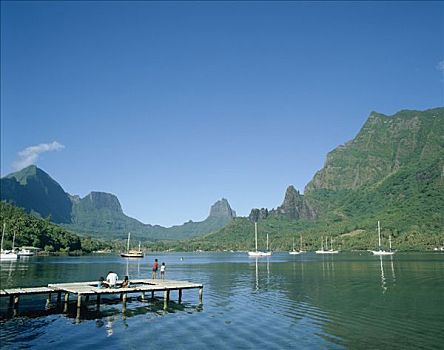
(7, 254)
(321, 251)
(132, 253)
(295, 252)
(332, 251)
(258, 253)
(326, 250)
(380, 251)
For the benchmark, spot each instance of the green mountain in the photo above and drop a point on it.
(220, 215)
(98, 214)
(36, 192)
(392, 171)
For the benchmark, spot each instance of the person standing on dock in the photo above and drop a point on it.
(162, 271)
(155, 268)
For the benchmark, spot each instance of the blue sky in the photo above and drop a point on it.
(174, 105)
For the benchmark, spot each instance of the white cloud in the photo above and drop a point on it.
(30, 154)
(440, 66)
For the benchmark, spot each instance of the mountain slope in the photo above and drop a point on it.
(98, 214)
(34, 190)
(395, 164)
(382, 147)
(392, 171)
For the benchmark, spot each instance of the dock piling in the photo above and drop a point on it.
(86, 289)
(166, 298)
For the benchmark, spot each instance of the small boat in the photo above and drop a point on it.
(7, 254)
(258, 253)
(25, 252)
(133, 253)
(294, 251)
(381, 251)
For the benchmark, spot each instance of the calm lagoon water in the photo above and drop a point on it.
(348, 301)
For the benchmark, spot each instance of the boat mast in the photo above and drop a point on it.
(3, 234)
(255, 234)
(379, 235)
(293, 243)
(322, 242)
(13, 242)
(267, 241)
(127, 245)
(390, 242)
(301, 244)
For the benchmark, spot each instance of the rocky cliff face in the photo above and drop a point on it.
(99, 201)
(384, 145)
(222, 209)
(293, 207)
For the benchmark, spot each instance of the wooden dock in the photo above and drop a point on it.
(83, 290)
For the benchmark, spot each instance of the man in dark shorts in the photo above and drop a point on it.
(155, 268)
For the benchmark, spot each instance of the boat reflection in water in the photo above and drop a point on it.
(383, 277)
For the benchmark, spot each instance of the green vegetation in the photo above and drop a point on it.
(392, 172)
(40, 233)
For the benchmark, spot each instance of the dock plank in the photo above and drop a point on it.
(90, 288)
(29, 290)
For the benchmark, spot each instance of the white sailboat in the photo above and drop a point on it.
(332, 251)
(133, 253)
(326, 250)
(381, 251)
(7, 254)
(258, 253)
(294, 251)
(321, 251)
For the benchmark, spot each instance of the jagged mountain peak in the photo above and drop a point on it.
(222, 209)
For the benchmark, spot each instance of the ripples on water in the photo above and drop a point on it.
(282, 302)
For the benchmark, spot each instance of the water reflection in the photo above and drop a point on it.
(328, 265)
(108, 309)
(384, 286)
(257, 271)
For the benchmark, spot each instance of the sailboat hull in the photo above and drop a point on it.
(132, 255)
(297, 252)
(259, 254)
(381, 252)
(8, 256)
